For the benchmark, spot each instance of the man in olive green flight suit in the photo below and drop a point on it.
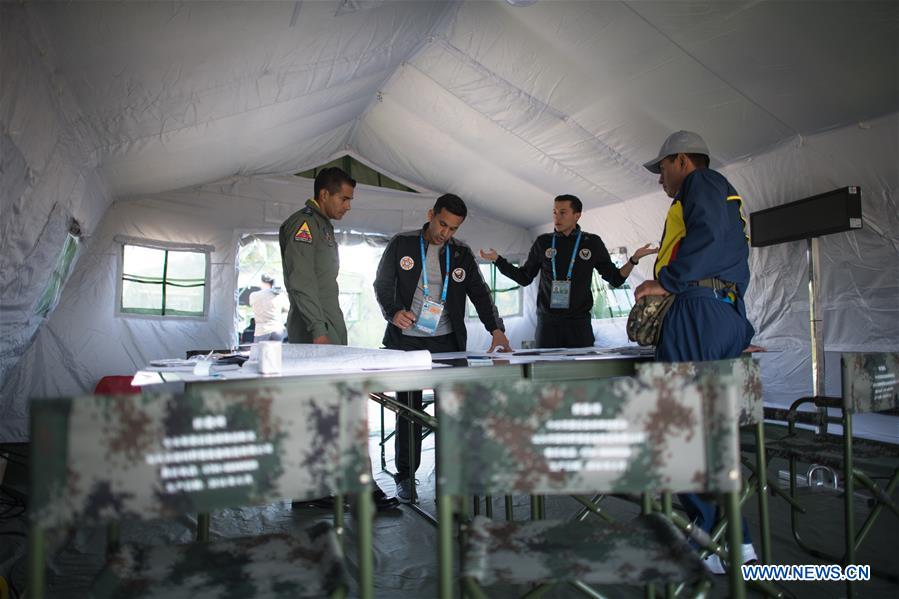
(310, 262)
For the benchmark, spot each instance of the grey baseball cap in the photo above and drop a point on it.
(679, 142)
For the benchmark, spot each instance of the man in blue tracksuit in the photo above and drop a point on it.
(704, 260)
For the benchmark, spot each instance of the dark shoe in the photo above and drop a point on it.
(322, 503)
(382, 502)
(404, 490)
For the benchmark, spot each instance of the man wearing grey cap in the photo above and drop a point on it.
(704, 260)
(703, 257)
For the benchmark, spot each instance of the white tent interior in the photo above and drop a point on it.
(184, 121)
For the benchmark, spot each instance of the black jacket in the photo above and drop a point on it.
(399, 273)
(592, 254)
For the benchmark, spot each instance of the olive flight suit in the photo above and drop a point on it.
(310, 261)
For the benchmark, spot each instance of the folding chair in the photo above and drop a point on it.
(116, 385)
(747, 376)
(102, 458)
(622, 435)
(427, 401)
(870, 384)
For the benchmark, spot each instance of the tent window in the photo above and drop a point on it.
(50, 297)
(359, 256)
(163, 282)
(506, 293)
(350, 304)
(609, 302)
(352, 285)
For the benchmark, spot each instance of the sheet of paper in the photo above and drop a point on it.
(191, 366)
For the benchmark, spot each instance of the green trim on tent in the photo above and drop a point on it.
(362, 173)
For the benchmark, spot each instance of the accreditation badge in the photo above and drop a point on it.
(560, 295)
(429, 317)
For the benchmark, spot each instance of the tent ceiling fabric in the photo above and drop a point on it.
(190, 92)
(184, 121)
(485, 99)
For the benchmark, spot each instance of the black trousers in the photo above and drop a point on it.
(444, 343)
(564, 332)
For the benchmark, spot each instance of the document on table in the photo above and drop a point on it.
(178, 365)
(307, 358)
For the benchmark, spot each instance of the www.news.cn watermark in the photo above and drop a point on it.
(806, 572)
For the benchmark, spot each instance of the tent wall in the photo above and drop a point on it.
(84, 339)
(47, 178)
(860, 269)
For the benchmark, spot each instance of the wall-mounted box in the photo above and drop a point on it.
(831, 212)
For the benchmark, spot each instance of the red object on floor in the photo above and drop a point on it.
(116, 385)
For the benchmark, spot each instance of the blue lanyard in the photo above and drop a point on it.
(424, 271)
(577, 243)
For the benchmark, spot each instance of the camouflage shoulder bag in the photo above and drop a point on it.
(644, 323)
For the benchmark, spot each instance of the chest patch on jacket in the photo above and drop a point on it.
(550, 252)
(585, 254)
(458, 275)
(407, 262)
(303, 233)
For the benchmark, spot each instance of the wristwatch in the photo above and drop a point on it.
(631, 260)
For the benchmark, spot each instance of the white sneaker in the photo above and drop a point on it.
(713, 564)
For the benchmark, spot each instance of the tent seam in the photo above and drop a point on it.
(191, 98)
(568, 120)
(136, 140)
(714, 73)
(561, 165)
(449, 14)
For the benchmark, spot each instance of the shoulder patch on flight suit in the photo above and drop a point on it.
(458, 274)
(407, 262)
(585, 254)
(303, 233)
(307, 210)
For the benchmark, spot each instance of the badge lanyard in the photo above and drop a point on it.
(424, 271)
(577, 244)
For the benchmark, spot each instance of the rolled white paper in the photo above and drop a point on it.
(269, 357)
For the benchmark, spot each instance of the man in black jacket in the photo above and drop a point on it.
(423, 279)
(565, 260)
